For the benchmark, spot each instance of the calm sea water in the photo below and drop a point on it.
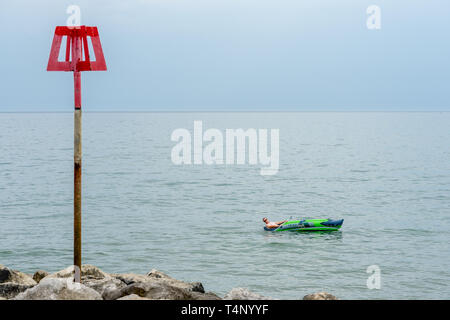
(386, 174)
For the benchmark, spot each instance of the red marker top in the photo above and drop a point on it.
(77, 49)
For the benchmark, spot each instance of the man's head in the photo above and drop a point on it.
(265, 220)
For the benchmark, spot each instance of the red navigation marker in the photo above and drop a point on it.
(77, 49)
(77, 59)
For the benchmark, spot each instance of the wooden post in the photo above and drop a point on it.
(77, 157)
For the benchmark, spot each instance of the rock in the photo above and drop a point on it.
(197, 287)
(159, 277)
(39, 275)
(160, 290)
(133, 297)
(244, 294)
(92, 277)
(320, 296)
(105, 287)
(13, 282)
(192, 286)
(87, 272)
(59, 289)
(137, 288)
(130, 278)
(157, 274)
(97, 285)
(205, 296)
(9, 290)
(9, 275)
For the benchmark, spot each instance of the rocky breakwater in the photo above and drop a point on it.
(98, 285)
(13, 282)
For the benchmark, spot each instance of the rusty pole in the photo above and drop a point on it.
(77, 157)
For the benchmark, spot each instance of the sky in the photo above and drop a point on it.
(233, 55)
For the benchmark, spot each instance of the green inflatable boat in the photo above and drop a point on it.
(309, 225)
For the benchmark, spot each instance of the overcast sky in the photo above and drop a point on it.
(234, 55)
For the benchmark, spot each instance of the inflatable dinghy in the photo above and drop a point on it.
(309, 225)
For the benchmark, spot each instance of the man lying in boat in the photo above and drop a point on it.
(272, 225)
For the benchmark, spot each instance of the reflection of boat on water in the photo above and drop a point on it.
(290, 238)
(309, 225)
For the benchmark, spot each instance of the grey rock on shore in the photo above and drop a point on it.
(92, 277)
(87, 272)
(320, 296)
(13, 282)
(59, 289)
(133, 297)
(39, 275)
(244, 294)
(9, 275)
(156, 290)
(158, 285)
(98, 285)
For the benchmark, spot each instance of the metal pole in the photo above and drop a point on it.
(77, 157)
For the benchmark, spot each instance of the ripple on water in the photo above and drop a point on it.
(203, 223)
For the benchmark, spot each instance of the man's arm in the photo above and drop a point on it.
(280, 222)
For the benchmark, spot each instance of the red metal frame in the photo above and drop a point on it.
(77, 41)
(76, 44)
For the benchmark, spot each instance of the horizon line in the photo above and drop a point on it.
(227, 111)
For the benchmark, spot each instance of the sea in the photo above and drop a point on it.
(387, 174)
